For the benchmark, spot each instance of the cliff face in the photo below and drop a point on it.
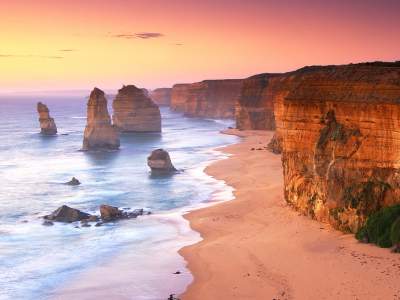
(255, 107)
(135, 112)
(99, 133)
(339, 130)
(161, 96)
(209, 98)
(47, 124)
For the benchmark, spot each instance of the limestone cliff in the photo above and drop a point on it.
(339, 129)
(135, 112)
(255, 107)
(161, 96)
(99, 133)
(209, 98)
(47, 124)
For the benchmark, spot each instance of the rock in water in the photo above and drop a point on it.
(135, 112)
(99, 133)
(160, 162)
(275, 145)
(109, 213)
(47, 124)
(67, 214)
(73, 181)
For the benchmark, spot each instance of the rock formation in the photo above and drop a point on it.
(111, 213)
(67, 214)
(73, 181)
(275, 145)
(209, 98)
(160, 162)
(99, 133)
(161, 96)
(340, 140)
(135, 112)
(255, 107)
(47, 124)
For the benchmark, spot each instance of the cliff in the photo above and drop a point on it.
(161, 96)
(209, 98)
(99, 133)
(255, 107)
(135, 112)
(339, 130)
(47, 124)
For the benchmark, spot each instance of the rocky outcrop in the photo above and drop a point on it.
(73, 182)
(275, 144)
(209, 98)
(255, 107)
(67, 214)
(110, 213)
(99, 133)
(47, 124)
(159, 162)
(339, 127)
(161, 96)
(135, 112)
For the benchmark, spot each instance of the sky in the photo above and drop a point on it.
(74, 44)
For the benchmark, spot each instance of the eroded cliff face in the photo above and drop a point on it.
(255, 107)
(209, 98)
(161, 96)
(47, 124)
(135, 112)
(339, 129)
(99, 133)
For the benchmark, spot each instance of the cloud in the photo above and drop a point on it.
(67, 50)
(30, 56)
(139, 35)
(178, 44)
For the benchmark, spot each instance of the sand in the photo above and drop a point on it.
(257, 247)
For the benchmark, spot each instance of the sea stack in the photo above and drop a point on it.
(99, 133)
(160, 162)
(135, 112)
(47, 124)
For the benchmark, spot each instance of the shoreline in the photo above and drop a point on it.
(257, 247)
(115, 277)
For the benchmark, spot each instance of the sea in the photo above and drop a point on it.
(138, 256)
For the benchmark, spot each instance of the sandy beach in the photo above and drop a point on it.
(257, 247)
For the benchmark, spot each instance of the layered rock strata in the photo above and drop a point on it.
(255, 107)
(339, 129)
(209, 98)
(99, 133)
(161, 96)
(135, 112)
(47, 124)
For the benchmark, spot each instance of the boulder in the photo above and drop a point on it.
(67, 214)
(47, 124)
(134, 111)
(159, 161)
(73, 181)
(99, 133)
(109, 213)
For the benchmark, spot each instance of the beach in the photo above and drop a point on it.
(258, 247)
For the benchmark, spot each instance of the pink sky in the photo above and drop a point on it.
(159, 43)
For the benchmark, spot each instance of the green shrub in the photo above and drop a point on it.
(380, 225)
(395, 232)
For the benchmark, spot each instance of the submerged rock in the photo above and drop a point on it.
(47, 124)
(73, 181)
(67, 214)
(99, 133)
(159, 161)
(134, 111)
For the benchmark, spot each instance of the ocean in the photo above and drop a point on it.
(36, 261)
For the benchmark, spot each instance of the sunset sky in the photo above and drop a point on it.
(73, 44)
